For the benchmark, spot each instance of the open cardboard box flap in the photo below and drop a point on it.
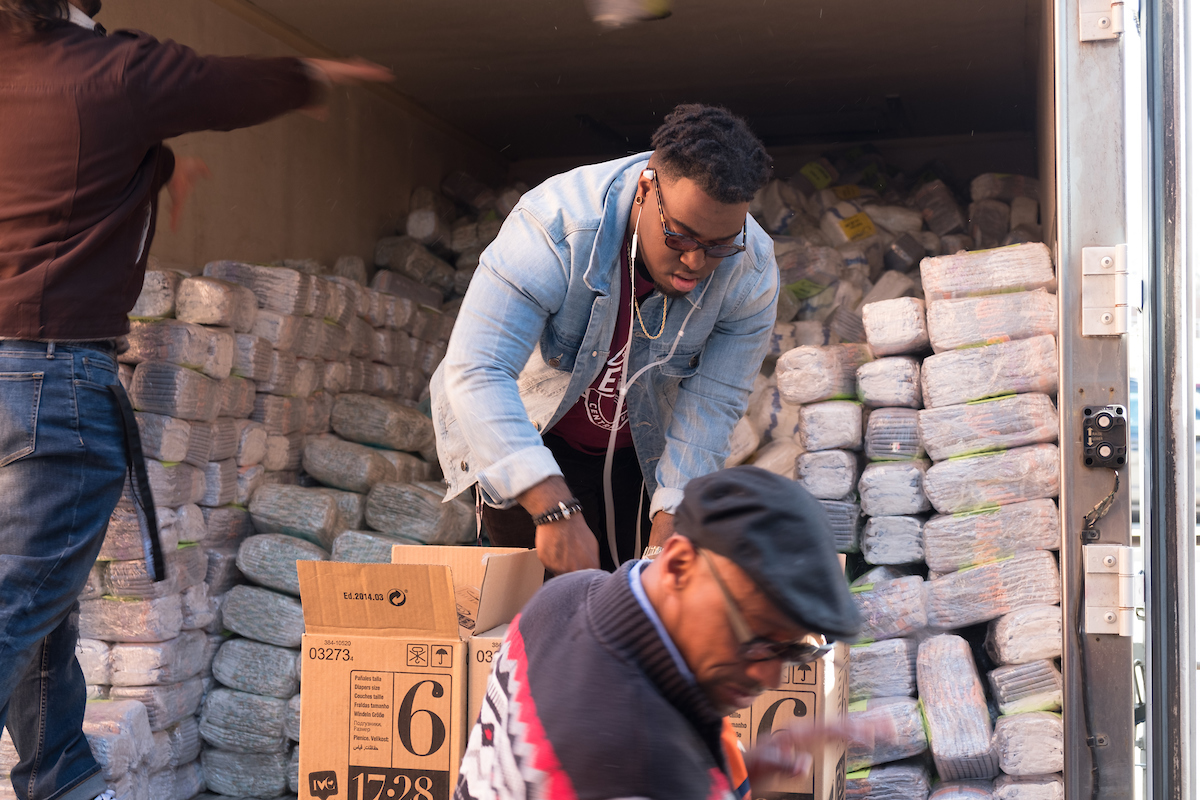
(390, 600)
(491, 584)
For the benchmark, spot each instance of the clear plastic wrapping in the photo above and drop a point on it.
(189, 781)
(1036, 686)
(93, 657)
(157, 298)
(151, 664)
(892, 435)
(1004, 186)
(893, 540)
(258, 668)
(999, 424)
(1025, 635)
(113, 620)
(237, 397)
(205, 349)
(1022, 267)
(977, 373)
(1030, 743)
(352, 508)
(962, 790)
(243, 722)
(812, 374)
(886, 668)
(891, 609)
(291, 720)
(956, 712)
(259, 775)
(890, 382)
(845, 518)
(895, 326)
(264, 615)
(384, 423)
(119, 735)
(166, 704)
(269, 559)
(275, 288)
(893, 488)
(897, 728)
(982, 482)
(284, 454)
(828, 474)
(251, 442)
(280, 377)
(971, 321)
(940, 210)
(220, 483)
(416, 511)
(123, 540)
(184, 738)
(227, 525)
(210, 301)
(186, 567)
(163, 438)
(988, 222)
(779, 456)
(1034, 787)
(988, 591)
(197, 609)
(367, 547)
(295, 511)
(955, 541)
(162, 388)
(900, 781)
(345, 465)
(223, 573)
(831, 425)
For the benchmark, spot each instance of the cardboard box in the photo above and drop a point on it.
(384, 675)
(809, 693)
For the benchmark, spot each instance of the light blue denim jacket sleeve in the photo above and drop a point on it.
(536, 325)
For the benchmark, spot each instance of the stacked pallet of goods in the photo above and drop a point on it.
(911, 387)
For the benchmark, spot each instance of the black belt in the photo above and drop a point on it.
(140, 483)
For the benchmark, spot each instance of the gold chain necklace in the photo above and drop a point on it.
(633, 293)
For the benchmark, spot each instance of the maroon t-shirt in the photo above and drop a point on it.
(588, 425)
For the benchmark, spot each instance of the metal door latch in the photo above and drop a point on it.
(1101, 19)
(1109, 299)
(1112, 592)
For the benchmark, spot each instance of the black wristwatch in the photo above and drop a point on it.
(562, 511)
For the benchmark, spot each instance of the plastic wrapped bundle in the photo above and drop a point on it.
(883, 669)
(367, 547)
(157, 298)
(251, 357)
(953, 542)
(94, 660)
(972, 321)
(197, 609)
(275, 288)
(166, 704)
(376, 421)
(236, 397)
(1019, 268)
(95, 582)
(985, 481)
(988, 591)
(999, 424)
(245, 774)
(417, 512)
(352, 508)
(893, 540)
(988, 222)
(962, 376)
(182, 343)
(175, 484)
(280, 377)
(891, 609)
(905, 252)
(172, 661)
(264, 615)
(1030, 743)
(831, 425)
(269, 559)
(119, 735)
(227, 525)
(743, 441)
(186, 567)
(812, 374)
(186, 520)
(284, 453)
(1027, 634)
(163, 438)
(280, 416)
(1019, 688)
(345, 465)
(251, 442)
(879, 573)
(112, 620)
(223, 573)
(939, 209)
(162, 388)
(900, 781)
(394, 283)
(258, 668)
(295, 511)
(892, 435)
(962, 790)
(779, 456)
(209, 301)
(956, 712)
(899, 732)
(123, 540)
(895, 326)
(893, 382)
(1002, 186)
(200, 436)
(243, 722)
(318, 412)
(188, 781)
(220, 483)
(279, 331)
(184, 741)
(893, 488)
(828, 474)
(845, 519)
(1036, 787)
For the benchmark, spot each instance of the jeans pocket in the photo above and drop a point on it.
(20, 395)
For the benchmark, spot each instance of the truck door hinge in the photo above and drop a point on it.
(1100, 20)
(1112, 591)
(1111, 295)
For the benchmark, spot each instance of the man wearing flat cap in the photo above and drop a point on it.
(617, 686)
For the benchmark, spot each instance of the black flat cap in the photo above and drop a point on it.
(780, 536)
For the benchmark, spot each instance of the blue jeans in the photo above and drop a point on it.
(62, 468)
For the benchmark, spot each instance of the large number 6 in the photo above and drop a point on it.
(405, 718)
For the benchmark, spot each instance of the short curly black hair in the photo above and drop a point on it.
(33, 14)
(715, 148)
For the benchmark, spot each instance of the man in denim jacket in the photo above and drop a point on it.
(536, 374)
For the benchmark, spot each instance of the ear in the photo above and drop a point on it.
(645, 185)
(680, 560)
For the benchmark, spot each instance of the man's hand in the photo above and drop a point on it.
(788, 753)
(661, 529)
(183, 180)
(349, 72)
(567, 545)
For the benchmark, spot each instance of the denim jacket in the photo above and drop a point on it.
(535, 328)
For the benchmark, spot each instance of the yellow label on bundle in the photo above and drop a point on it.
(988, 509)
(804, 289)
(866, 587)
(995, 451)
(924, 719)
(847, 192)
(991, 399)
(817, 175)
(859, 774)
(186, 545)
(857, 227)
(857, 705)
(1008, 557)
(170, 464)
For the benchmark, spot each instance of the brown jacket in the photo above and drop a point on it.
(82, 121)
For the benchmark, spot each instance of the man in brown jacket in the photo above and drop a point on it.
(83, 116)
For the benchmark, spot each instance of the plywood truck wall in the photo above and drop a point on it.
(295, 187)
